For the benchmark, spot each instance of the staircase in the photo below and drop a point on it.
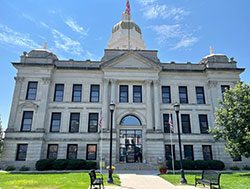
(134, 166)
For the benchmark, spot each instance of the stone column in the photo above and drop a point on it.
(113, 99)
(213, 98)
(15, 100)
(158, 126)
(149, 105)
(105, 105)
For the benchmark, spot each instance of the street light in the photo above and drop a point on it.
(112, 108)
(177, 109)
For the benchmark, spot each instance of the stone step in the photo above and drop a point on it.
(133, 166)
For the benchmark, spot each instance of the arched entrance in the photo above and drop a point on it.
(130, 140)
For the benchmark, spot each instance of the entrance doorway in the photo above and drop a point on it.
(130, 146)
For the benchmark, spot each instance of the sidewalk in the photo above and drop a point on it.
(144, 180)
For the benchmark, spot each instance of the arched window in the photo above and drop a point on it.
(130, 120)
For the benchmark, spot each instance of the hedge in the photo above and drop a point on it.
(197, 164)
(63, 164)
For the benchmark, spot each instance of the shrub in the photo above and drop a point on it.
(24, 168)
(216, 164)
(90, 165)
(176, 164)
(60, 164)
(76, 164)
(44, 164)
(235, 168)
(10, 168)
(246, 167)
(188, 164)
(201, 164)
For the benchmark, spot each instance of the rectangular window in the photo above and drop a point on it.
(52, 151)
(200, 95)
(21, 152)
(72, 151)
(91, 152)
(94, 93)
(123, 93)
(77, 93)
(237, 158)
(168, 152)
(185, 122)
(207, 152)
(27, 121)
(31, 91)
(55, 122)
(223, 89)
(74, 122)
(137, 94)
(166, 123)
(183, 95)
(93, 122)
(59, 90)
(203, 124)
(188, 152)
(166, 95)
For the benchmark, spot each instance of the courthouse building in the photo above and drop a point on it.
(57, 105)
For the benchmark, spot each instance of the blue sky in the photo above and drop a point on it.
(182, 31)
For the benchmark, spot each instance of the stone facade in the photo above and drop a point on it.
(118, 67)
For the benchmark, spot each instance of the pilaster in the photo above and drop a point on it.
(149, 105)
(158, 126)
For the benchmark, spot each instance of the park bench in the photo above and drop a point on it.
(209, 177)
(94, 180)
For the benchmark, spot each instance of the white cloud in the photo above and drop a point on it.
(146, 2)
(186, 42)
(28, 17)
(11, 37)
(162, 11)
(91, 56)
(44, 25)
(65, 43)
(75, 27)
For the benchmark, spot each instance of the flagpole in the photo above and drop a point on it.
(100, 126)
(171, 139)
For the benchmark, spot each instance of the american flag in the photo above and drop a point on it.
(100, 120)
(171, 123)
(128, 8)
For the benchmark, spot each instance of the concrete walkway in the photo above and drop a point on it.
(144, 180)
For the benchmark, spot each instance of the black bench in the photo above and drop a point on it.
(209, 177)
(95, 181)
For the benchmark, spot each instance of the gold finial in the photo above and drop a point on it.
(45, 45)
(211, 50)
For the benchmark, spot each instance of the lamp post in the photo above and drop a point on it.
(177, 109)
(112, 108)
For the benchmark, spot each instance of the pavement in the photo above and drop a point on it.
(144, 180)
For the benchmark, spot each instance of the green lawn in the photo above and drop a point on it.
(48, 180)
(236, 180)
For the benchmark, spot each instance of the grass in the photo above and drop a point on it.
(236, 180)
(49, 180)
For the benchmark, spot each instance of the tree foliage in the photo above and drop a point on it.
(233, 120)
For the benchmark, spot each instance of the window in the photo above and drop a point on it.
(93, 122)
(123, 93)
(27, 121)
(166, 96)
(185, 122)
(130, 120)
(207, 152)
(137, 94)
(91, 152)
(77, 93)
(238, 158)
(21, 152)
(166, 123)
(59, 89)
(200, 95)
(183, 95)
(55, 122)
(94, 93)
(74, 122)
(52, 151)
(168, 152)
(72, 151)
(31, 92)
(203, 124)
(188, 152)
(223, 89)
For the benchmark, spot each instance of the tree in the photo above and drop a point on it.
(233, 120)
(1, 135)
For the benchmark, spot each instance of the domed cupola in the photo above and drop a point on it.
(126, 34)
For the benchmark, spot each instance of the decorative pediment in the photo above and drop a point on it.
(29, 104)
(131, 60)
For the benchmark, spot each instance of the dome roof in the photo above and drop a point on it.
(41, 53)
(126, 25)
